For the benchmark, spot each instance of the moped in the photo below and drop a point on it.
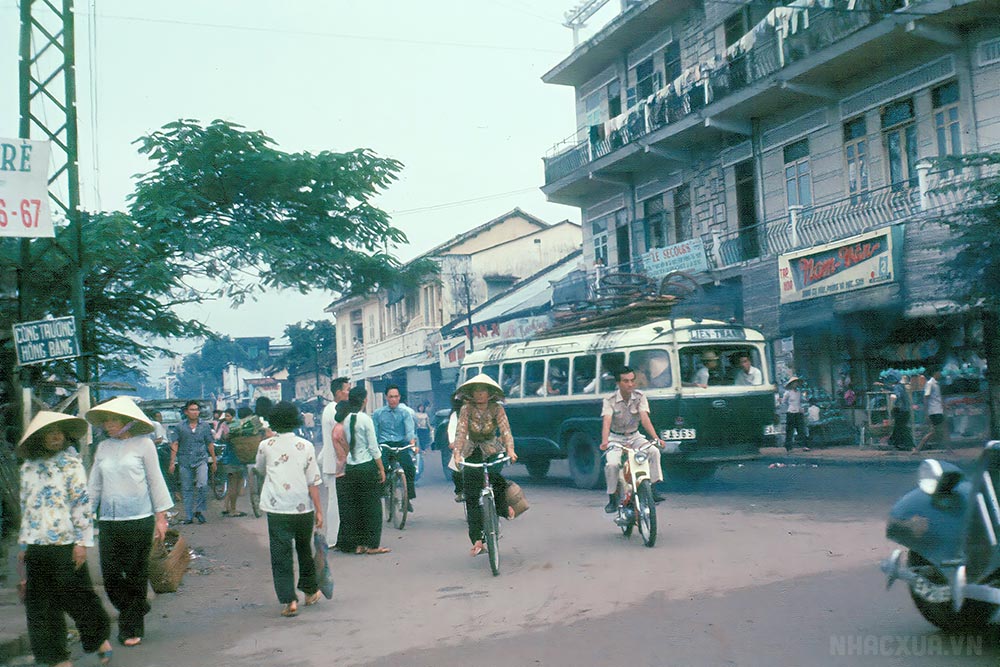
(949, 526)
(635, 492)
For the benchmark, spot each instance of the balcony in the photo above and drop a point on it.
(796, 52)
(411, 343)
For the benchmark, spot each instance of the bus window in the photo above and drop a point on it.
(493, 370)
(611, 363)
(471, 372)
(558, 377)
(510, 379)
(584, 374)
(720, 365)
(652, 368)
(534, 376)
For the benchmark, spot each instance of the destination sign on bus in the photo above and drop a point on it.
(718, 334)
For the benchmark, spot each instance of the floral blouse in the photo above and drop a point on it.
(55, 504)
(289, 463)
(477, 428)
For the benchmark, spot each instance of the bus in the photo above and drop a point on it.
(700, 401)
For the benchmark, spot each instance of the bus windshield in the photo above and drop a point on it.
(720, 365)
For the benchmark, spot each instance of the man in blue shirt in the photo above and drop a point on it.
(194, 449)
(394, 426)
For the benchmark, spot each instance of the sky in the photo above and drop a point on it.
(452, 89)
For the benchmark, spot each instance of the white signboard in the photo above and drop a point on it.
(24, 189)
(684, 256)
(46, 340)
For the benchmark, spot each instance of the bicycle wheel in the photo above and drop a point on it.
(626, 527)
(253, 487)
(220, 484)
(491, 532)
(400, 501)
(646, 513)
(388, 506)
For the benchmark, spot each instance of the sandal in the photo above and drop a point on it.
(105, 655)
(360, 551)
(291, 609)
(377, 550)
(477, 549)
(312, 599)
(132, 641)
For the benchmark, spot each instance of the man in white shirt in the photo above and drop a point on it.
(795, 422)
(747, 375)
(934, 407)
(340, 387)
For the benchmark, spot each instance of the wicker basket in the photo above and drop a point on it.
(245, 447)
(168, 561)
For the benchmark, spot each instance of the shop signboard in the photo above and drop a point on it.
(684, 256)
(24, 189)
(46, 340)
(851, 264)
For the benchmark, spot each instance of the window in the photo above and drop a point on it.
(856, 157)
(510, 379)
(946, 124)
(557, 380)
(584, 374)
(600, 237)
(672, 61)
(683, 227)
(652, 212)
(614, 98)
(746, 208)
(644, 84)
(493, 370)
(737, 25)
(718, 365)
(652, 368)
(470, 372)
(610, 364)
(534, 378)
(798, 184)
(900, 133)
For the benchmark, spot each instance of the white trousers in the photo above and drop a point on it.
(613, 462)
(331, 518)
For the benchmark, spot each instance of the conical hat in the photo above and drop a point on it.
(74, 427)
(124, 407)
(466, 388)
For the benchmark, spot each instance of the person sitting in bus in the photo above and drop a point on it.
(623, 413)
(655, 372)
(709, 364)
(747, 375)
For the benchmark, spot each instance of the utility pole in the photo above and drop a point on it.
(47, 78)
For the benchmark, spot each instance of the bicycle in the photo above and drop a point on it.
(395, 495)
(491, 521)
(250, 482)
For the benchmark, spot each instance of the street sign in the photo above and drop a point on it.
(24, 189)
(46, 340)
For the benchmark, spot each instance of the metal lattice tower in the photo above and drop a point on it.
(47, 93)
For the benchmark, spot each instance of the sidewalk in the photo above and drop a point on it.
(851, 455)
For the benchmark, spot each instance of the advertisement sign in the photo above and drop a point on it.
(851, 264)
(684, 256)
(24, 189)
(46, 340)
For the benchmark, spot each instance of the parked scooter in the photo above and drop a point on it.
(949, 527)
(635, 492)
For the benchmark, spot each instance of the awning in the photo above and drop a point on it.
(412, 360)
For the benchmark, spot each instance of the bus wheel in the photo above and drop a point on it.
(690, 472)
(538, 469)
(584, 461)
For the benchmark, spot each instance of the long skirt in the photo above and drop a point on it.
(359, 495)
(473, 481)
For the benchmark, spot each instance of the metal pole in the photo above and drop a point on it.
(74, 214)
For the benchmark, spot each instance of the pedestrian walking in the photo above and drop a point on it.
(57, 528)
(901, 409)
(194, 449)
(360, 489)
(130, 500)
(331, 462)
(290, 498)
(934, 409)
(795, 421)
(422, 421)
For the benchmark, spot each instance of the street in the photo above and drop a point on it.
(760, 566)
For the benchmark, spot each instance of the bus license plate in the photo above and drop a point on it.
(679, 434)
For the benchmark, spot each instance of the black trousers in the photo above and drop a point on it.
(472, 480)
(124, 549)
(901, 436)
(795, 421)
(56, 587)
(283, 530)
(405, 459)
(359, 495)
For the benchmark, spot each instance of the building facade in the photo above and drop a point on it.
(786, 155)
(393, 336)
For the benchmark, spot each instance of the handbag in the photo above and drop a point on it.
(516, 499)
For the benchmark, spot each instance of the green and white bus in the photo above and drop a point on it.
(555, 385)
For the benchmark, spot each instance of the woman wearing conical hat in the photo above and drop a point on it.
(130, 500)
(56, 529)
(483, 431)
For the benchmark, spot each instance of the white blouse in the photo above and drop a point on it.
(126, 482)
(289, 463)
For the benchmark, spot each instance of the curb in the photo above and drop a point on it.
(893, 460)
(12, 648)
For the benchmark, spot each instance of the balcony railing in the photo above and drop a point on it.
(787, 35)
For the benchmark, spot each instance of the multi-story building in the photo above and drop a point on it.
(782, 154)
(393, 336)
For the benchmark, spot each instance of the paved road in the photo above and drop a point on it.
(756, 567)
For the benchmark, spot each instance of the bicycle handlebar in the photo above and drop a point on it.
(502, 459)
(618, 445)
(395, 449)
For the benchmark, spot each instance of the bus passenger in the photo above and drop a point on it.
(747, 375)
(709, 364)
(623, 412)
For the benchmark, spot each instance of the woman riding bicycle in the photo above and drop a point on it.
(483, 431)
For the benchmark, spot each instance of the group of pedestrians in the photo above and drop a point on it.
(128, 498)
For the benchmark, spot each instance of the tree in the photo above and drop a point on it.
(975, 243)
(201, 373)
(312, 344)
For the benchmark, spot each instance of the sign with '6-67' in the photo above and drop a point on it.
(46, 340)
(24, 188)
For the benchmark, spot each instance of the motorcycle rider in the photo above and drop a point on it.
(623, 413)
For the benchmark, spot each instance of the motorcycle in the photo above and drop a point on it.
(635, 493)
(949, 526)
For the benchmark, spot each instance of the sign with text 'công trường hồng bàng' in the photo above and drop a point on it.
(46, 340)
(24, 189)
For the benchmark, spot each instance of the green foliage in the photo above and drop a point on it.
(201, 373)
(316, 341)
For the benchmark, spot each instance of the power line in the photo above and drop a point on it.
(460, 202)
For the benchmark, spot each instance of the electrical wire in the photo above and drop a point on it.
(460, 202)
(94, 110)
